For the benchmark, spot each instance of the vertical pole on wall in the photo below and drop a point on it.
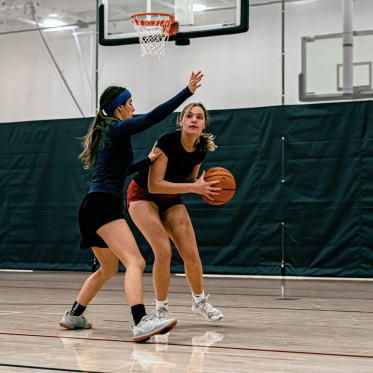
(94, 264)
(283, 52)
(92, 70)
(283, 159)
(283, 224)
(148, 9)
(348, 40)
(96, 68)
(283, 272)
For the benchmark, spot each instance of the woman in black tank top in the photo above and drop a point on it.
(174, 172)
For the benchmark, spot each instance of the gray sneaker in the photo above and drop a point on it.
(149, 326)
(161, 312)
(205, 308)
(74, 322)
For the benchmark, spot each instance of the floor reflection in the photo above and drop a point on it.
(84, 355)
(156, 357)
(201, 346)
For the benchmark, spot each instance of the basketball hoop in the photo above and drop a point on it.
(154, 30)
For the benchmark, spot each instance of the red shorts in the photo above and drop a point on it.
(163, 201)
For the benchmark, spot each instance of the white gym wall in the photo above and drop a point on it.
(241, 71)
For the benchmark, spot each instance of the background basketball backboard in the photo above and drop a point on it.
(321, 78)
(196, 18)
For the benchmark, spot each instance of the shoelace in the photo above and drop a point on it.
(159, 313)
(147, 319)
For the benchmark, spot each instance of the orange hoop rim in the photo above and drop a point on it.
(141, 22)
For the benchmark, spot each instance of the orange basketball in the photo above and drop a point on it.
(226, 183)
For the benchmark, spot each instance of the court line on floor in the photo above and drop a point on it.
(187, 292)
(10, 313)
(187, 306)
(259, 277)
(45, 368)
(191, 345)
(186, 286)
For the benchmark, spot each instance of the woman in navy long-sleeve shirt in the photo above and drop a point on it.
(107, 147)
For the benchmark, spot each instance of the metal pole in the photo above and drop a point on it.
(92, 70)
(283, 52)
(283, 271)
(283, 224)
(55, 62)
(348, 39)
(283, 159)
(82, 61)
(94, 265)
(97, 104)
(148, 9)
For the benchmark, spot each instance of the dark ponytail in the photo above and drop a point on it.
(95, 134)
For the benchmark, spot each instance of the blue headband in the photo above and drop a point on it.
(120, 100)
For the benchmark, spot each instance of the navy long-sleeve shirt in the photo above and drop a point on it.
(115, 156)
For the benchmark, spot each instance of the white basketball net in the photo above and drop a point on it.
(152, 38)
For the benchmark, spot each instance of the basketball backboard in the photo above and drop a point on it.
(321, 78)
(196, 18)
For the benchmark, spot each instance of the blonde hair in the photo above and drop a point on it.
(206, 140)
(96, 132)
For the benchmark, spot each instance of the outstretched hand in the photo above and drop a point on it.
(153, 155)
(206, 188)
(194, 80)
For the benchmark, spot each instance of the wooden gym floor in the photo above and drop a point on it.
(270, 325)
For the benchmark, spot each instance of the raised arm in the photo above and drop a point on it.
(132, 126)
(157, 184)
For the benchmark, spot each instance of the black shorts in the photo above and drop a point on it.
(96, 210)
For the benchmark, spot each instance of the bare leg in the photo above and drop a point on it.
(123, 246)
(179, 227)
(121, 242)
(108, 268)
(145, 215)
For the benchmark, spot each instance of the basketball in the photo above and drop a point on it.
(226, 183)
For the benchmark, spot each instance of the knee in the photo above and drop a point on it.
(138, 264)
(163, 256)
(141, 264)
(108, 271)
(192, 258)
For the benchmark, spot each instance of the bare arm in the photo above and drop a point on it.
(157, 184)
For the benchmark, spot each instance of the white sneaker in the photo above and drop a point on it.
(205, 308)
(74, 322)
(149, 326)
(161, 312)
